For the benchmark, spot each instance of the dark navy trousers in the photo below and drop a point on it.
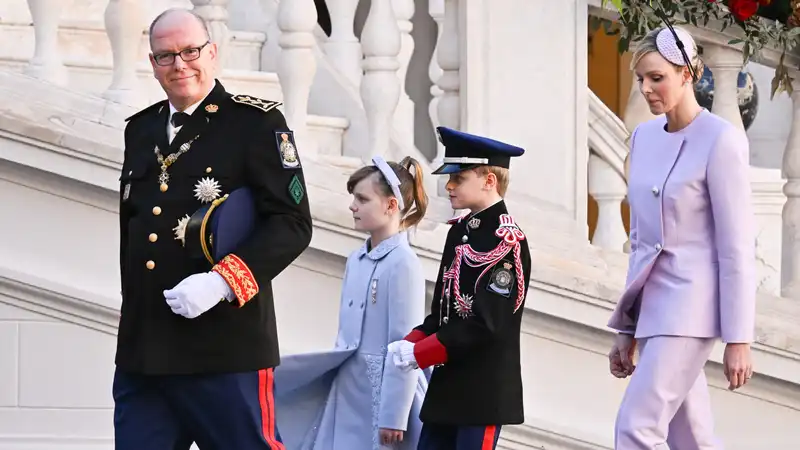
(452, 437)
(218, 412)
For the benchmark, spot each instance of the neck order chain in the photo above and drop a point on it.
(163, 178)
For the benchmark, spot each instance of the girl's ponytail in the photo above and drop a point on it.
(413, 188)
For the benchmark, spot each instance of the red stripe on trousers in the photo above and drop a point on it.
(267, 401)
(488, 438)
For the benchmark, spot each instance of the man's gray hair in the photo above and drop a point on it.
(191, 12)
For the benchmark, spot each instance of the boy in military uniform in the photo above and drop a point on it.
(472, 335)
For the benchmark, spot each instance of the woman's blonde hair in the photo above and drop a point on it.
(409, 172)
(648, 45)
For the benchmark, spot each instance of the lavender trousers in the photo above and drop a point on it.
(667, 405)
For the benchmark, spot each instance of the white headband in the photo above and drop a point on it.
(391, 178)
(668, 48)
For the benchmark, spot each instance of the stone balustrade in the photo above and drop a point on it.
(376, 65)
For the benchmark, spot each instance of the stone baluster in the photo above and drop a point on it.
(449, 109)
(608, 188)
(790, 260)
(342, 47)
(297, 64)
(46, 63)
(725, 64)
(215, 13)
(124, 26)
(447, 54)
(436, 11)
(404, 116)
(380, 87)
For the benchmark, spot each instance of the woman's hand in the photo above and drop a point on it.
(620, 358)
(389, 436)
(737, 365)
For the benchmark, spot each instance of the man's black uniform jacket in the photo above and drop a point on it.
(235, 141)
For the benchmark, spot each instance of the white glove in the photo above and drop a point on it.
(403, 355)
(197, 294)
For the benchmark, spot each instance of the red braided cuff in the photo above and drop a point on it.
(239, 278)
(415, 336)
(429, 352)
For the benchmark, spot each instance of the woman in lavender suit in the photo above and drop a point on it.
(691, 275)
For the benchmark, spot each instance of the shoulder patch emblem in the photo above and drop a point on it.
(264, 105)
(287, 149)
(296, 190)
(502, 279)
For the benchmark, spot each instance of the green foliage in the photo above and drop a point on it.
(767, 29)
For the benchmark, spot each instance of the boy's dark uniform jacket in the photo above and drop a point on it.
(472, 335)
(236, 141)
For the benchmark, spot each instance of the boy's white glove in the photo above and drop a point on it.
(403, 355)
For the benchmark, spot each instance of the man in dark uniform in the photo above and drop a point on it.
(197, 339)
(472, 335)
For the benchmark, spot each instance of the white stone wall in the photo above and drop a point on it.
(769, 131)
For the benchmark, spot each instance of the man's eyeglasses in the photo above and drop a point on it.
(187, 54)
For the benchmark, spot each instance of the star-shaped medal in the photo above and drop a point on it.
(180, 229)
(207, 190)
(464, 308)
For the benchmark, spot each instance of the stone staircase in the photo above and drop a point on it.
(60, 155)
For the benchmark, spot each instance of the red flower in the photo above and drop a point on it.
(743, 9)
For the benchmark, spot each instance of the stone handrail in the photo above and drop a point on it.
(608, 136)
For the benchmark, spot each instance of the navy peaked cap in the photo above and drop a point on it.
(464, 151)
(216, 229)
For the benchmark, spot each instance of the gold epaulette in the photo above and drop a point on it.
(264, 105)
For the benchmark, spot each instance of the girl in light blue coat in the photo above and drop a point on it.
(353, 397)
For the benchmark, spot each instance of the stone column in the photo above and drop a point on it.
(46, 63)
(725, 64)
(790, 261)
(380, 87)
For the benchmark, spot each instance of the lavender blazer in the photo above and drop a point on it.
(692, 262)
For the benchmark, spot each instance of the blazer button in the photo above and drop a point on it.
(156, 210)
(153, 237)
(150, 265)
(655, 191)
(350, 303)
(658, 246)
